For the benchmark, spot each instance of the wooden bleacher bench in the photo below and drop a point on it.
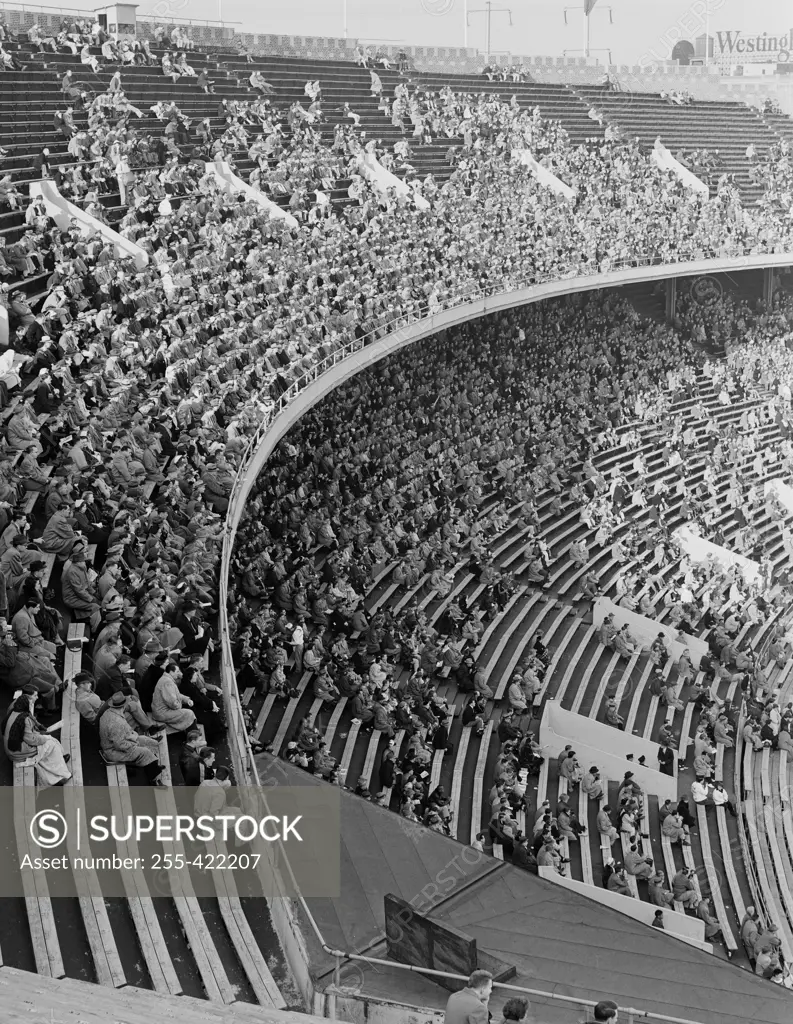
(242, 939)
(437, 761)
(479, 782)
(101, 939)
(349, 749)
(141, 906)
(43, 934)
(457, 774)
(713, 880)
(48, 558)
(216, 983)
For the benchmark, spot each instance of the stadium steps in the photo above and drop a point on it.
(716, 126)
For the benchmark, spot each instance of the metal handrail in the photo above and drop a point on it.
(228, 677)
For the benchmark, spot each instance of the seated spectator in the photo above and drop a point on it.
(618, 882)
(613, 716)
(675, 830)
(591, 785)
(659, 895)
(78, 592)
(683, 888)
(605, 824)
(550, 856)
(169, 706)
(637, 865)
(712, 926)
(25, 740)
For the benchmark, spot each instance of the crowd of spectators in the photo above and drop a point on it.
(415, 465)
(148, 381)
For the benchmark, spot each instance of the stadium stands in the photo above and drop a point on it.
(141, 386)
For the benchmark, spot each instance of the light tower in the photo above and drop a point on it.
(587, 9)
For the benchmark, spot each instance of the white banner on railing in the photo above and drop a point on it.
(664, 159)
(781, 491)
(381, 179)
(542, 174)
(646, 630)
(701, 551)
(229, 182)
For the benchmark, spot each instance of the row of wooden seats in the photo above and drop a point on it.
(503, 684)
(757, 856)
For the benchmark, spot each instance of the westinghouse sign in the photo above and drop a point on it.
(269, 842)
(768, 45)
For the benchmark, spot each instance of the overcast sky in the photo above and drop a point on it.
(640, 27)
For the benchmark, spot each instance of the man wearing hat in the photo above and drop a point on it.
(45, 398)
(196, 636)
(121, 744)
(189, 759)
(150, 649)
(78, 593)
(107, 584)
(112, 626)
(27, 634)
(22, 429)
(17, 560)
(59, 534)
(133, 712)
(86, 700)
(106, 657)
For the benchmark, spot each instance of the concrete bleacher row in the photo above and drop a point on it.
(24, 130)
(581, 684)
(762, 783)
(585, 672)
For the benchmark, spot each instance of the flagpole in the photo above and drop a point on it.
(586, 32)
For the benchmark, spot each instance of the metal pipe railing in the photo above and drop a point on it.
(239, 741)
